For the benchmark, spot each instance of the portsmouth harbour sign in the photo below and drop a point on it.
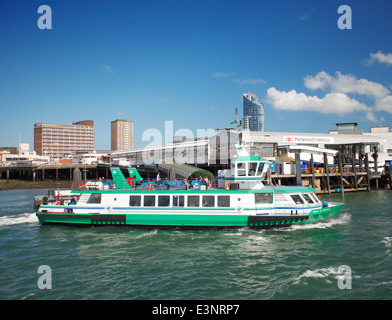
(308, 139)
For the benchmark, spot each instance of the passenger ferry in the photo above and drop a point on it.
(240, 200)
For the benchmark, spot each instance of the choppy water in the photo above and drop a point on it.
(300, 262)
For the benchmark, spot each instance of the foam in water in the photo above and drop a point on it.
(319, 273)
(339, 220)
(18, 219)
(387, 241)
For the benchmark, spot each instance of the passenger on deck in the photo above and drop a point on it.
(158, 179)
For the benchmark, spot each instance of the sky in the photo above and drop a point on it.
(189, 62)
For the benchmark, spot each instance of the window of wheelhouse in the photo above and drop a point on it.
(297, 198)
(252, 169)
(95, 198)
(241, 169)
(307, 198)
(260, 169)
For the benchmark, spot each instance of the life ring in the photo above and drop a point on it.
(82, 186)
(150, 186)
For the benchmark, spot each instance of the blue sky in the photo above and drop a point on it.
(190, 62)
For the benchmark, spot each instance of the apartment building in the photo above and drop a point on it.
(57, 140)
(122, 135)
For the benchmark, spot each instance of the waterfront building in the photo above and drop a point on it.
(253, 119)
(58, 140)
(24, 157)
(122, 135)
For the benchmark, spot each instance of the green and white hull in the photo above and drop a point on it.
(256, 209)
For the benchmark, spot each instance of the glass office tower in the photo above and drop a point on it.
(253, 112)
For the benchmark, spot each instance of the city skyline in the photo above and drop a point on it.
(190, 62)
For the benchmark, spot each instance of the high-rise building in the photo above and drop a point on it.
(122, 135)
(253, 119)
(57, 140)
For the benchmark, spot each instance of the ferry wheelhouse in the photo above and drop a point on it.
(240, 200)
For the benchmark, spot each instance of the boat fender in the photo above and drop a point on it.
(150, 186)
(82, 186)
(228, 186)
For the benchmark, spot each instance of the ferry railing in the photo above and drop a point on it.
(145, 185)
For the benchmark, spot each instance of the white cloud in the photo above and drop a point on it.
(380, 58)
(336, 100)
(345, 84)
(338, 103)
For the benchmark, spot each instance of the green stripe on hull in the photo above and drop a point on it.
(187, 220)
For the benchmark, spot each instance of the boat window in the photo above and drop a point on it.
(135, 201)
(95, 198)
(263, 198)
(163, 201)
(178, 201)
(241, 169)
(223, 201)
(193, 201)
(208, 201)
(149, 201)
(252, 169)
(314, 197)
(260, 169)
(307, 198)
(297, 199)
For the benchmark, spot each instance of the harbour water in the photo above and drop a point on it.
(347, 257)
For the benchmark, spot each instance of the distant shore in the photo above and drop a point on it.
(14, 184)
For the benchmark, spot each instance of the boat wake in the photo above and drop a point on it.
(339, 220)
(18, 219)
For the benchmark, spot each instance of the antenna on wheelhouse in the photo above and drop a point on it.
(238, 125)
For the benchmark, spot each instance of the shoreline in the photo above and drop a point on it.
(14, 184)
